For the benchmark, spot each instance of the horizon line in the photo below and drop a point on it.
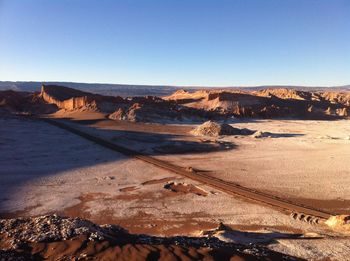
(188, 86)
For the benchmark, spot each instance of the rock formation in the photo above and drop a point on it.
(26, 103)
(144, 109)
(53, 237)
(211, 128)
(267, 103)
(183, 105)
(71, 99)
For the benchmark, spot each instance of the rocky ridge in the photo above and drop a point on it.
(52, 228)
(145, 109)
(267, 103)
(183, 105)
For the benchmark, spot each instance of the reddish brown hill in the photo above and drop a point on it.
(267, 103)
(285, 94)
(147, 109)
(71, 99)
(183, 105)
(21, 102)
(337, 97)
(11, 99)
(154, 109)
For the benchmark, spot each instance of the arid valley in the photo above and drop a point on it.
(200, 174)
(166, 130)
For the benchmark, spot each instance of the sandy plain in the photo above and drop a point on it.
(52, 171)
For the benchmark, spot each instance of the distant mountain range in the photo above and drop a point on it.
(125, 90)
(100, 88)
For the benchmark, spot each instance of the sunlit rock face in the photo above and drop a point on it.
(71, 99)
(267, 103)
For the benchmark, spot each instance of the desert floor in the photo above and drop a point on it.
(47, 170)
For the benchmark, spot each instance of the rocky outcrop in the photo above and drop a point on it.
(336, 97)
(53, 237)
(154, 109)
(71, 99)
(118, 115)
(267, 103)
(11, 99)
(24, 103)
(65, 98)
(183, 105)
(143, 109)
(285, 94)
(211, 128)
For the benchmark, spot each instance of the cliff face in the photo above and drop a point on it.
(66, 99)
(205, 104)
(267, 103)
(71, 99)
(144, 109)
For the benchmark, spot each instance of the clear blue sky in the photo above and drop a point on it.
(180, 42)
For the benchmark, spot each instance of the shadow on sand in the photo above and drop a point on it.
(32, 150)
